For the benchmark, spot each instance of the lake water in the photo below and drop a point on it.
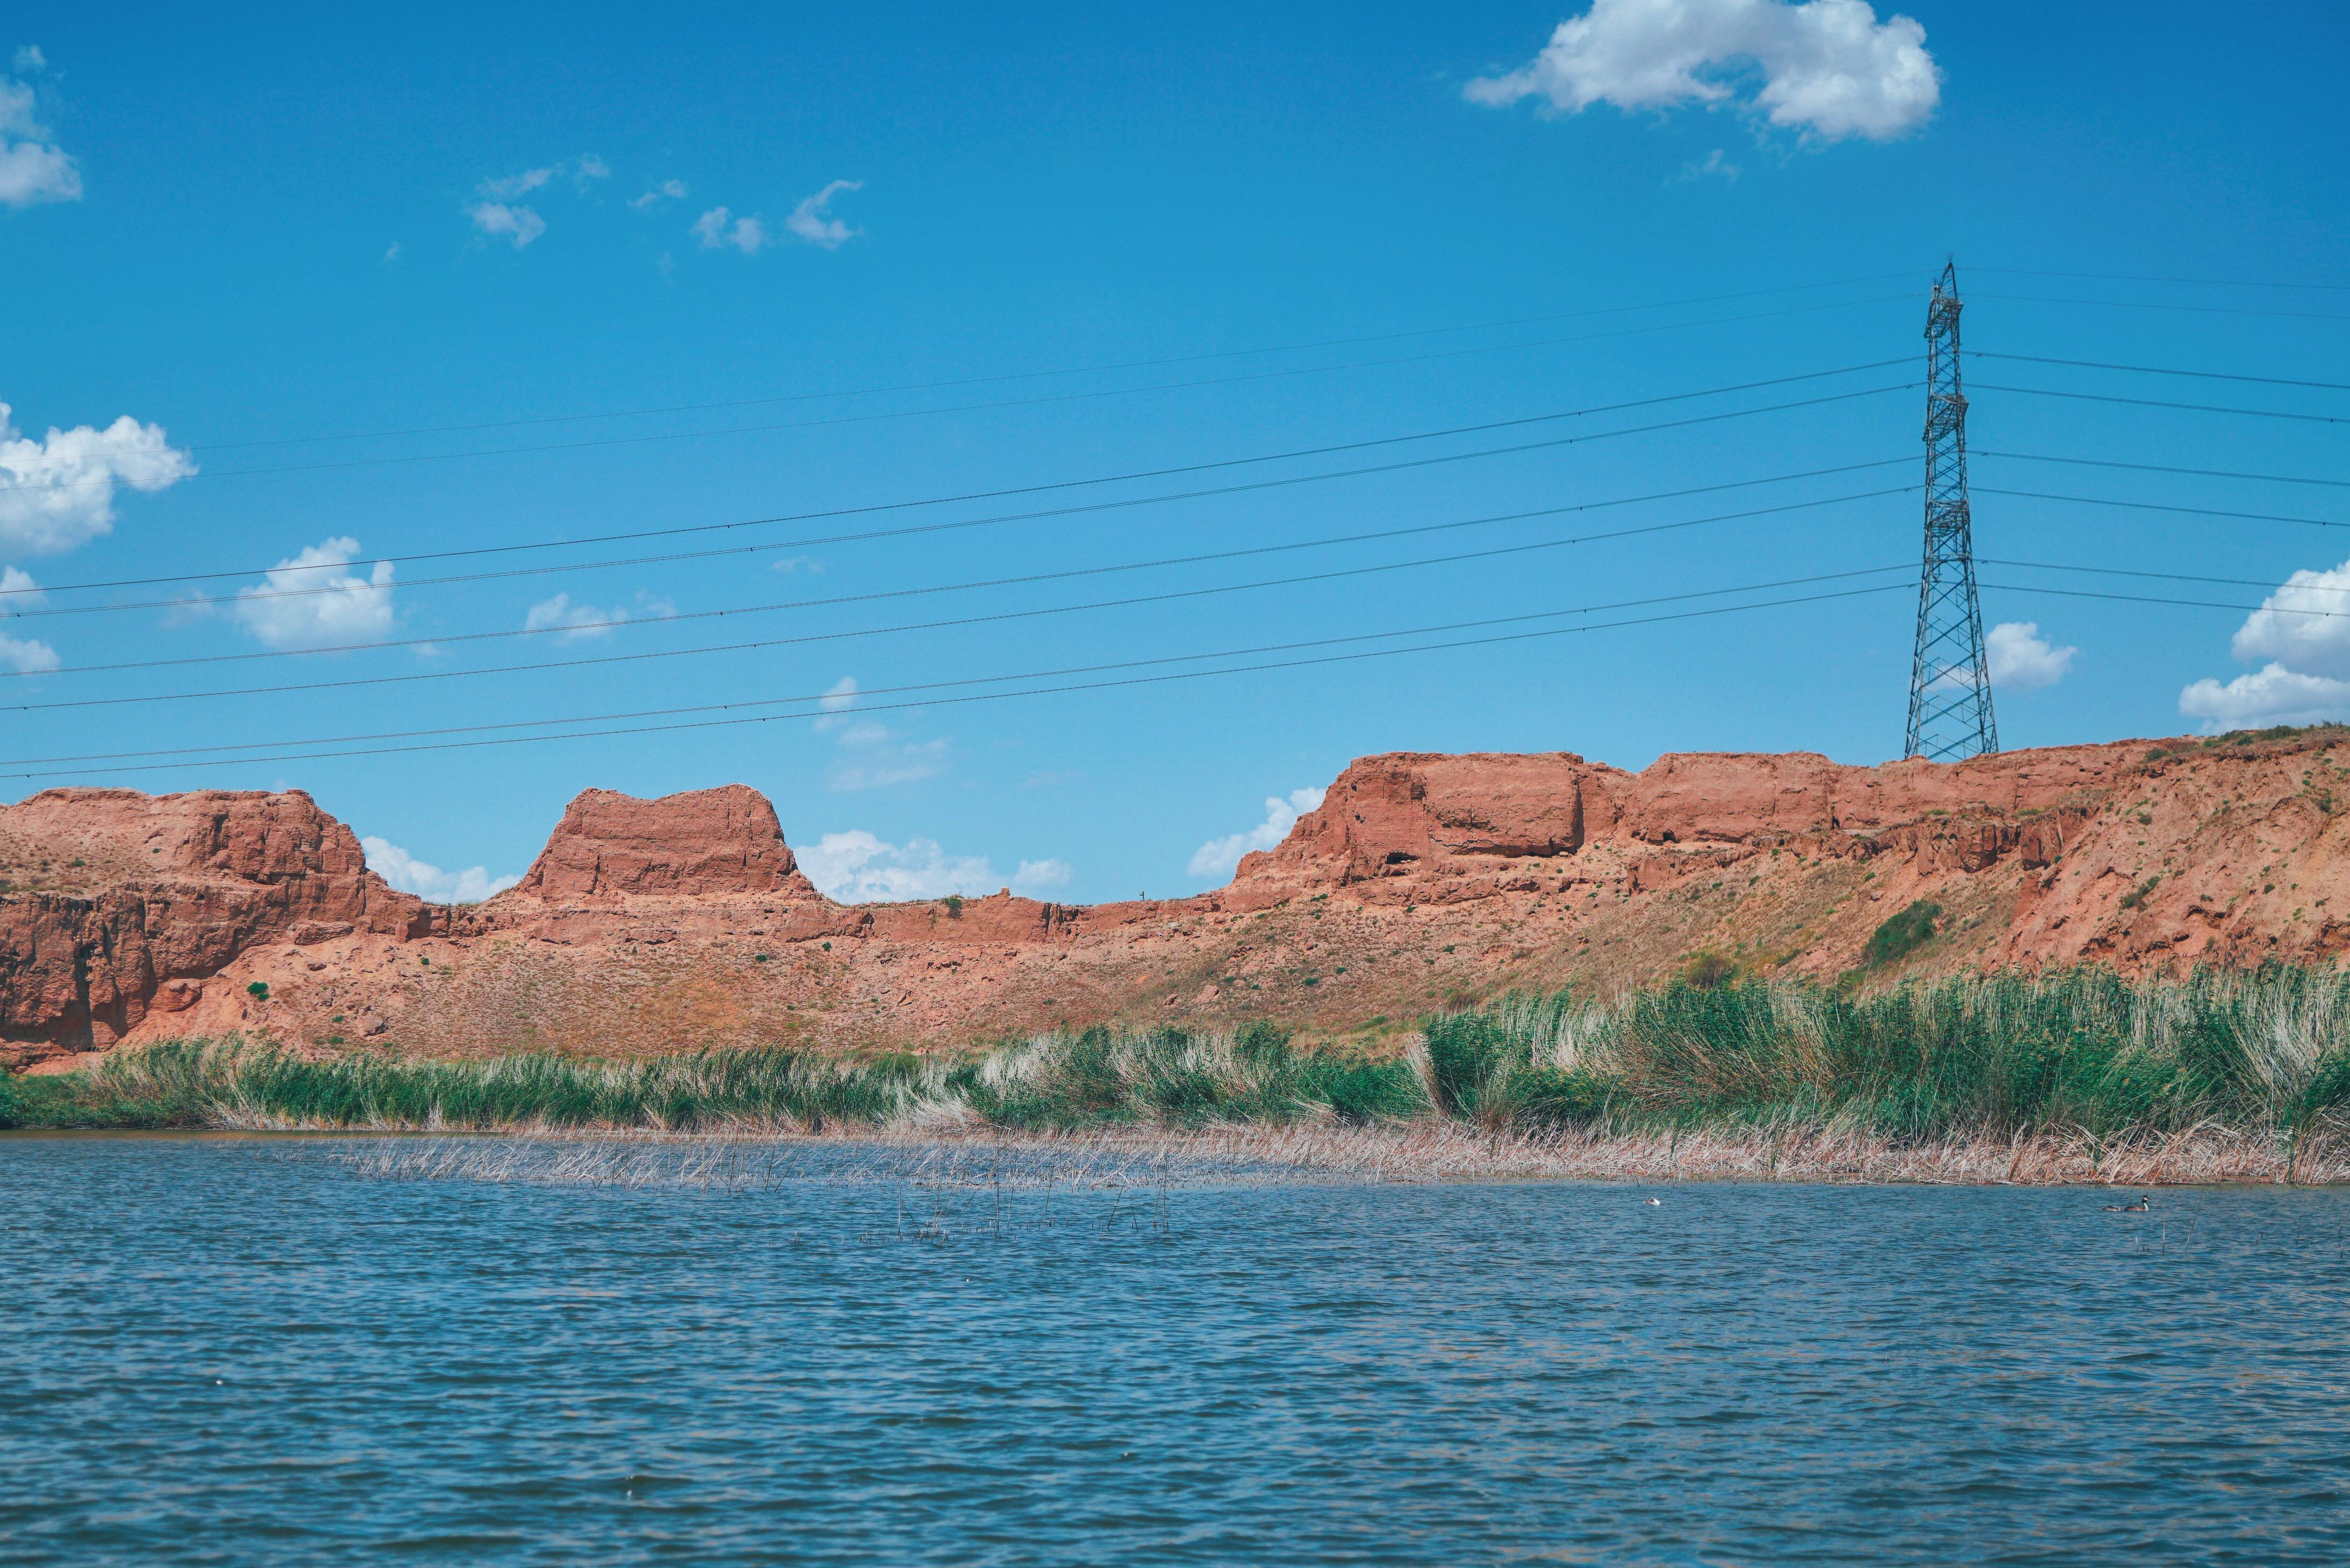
(225, 1350)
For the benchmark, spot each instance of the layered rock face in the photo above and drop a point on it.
(1421, 880)
(117, 904)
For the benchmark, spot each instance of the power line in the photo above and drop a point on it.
(997, 494)
(1088, 686)
(2123, 278)
(253, 595)
(2155, 403)
(2158, 370)
(1109, 368)
(2147, 599)
(2159, 468)
(2147, 305)
(967, 620)
(576, 627)
(2160, 506)
(2268, 583)
(916, 413)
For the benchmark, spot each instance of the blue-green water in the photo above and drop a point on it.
(227, 1350)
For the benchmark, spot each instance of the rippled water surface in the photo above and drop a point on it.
(244, 1350)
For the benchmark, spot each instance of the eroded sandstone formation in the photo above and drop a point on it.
(1422, 879)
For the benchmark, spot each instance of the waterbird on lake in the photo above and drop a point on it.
(2137, 1207)
(1653, 1202)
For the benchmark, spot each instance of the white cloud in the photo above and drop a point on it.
(2021, 657)
(2270, 695)
(428, 882)
(59, 492)
(1714, 164)
(24, 654)
(811, 220)
(2303, 630)
(1222, 856)
(807, 563)
(499, 221)
(30, 61)
(838, 697)
(587, 169)
(393, 253)
(1827, 69)
(577, 621)
(872, 754)
(288, 608)
(856, 868)
(33, 167)
(674, 190)
(2304, 625)
(514, 186)
(719, 227)
(1036, 877)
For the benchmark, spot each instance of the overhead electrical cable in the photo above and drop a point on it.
(2148, 305)
(252, 596)
(2125, 277)
(2158, 468)
(2270, 584)
(2148, 599)
(1103, 369)
(2158, 370)
(2161, 506)
(403, 459)
(1048, 487)
(987, 582)
(953, 623)
(2156, 403)
(1094, 686)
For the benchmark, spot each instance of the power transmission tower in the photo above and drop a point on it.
(1949, 682)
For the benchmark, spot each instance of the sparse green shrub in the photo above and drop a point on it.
(1902, 935)
(258, 991)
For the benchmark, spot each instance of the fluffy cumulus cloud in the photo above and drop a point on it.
(667, 191)
(2020, 658)
(2302, 630)
(33, 167)
(59, 492)
(315, 600)
(870, 754)
(515, 224)
(812, 222)
(718, 228)
(1221, 858)
(25, 655)
(856, 868)
(499, 215)
(1825, 69)
(571, 622)
(428, 882)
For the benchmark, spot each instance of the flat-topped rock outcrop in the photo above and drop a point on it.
(1422, 879)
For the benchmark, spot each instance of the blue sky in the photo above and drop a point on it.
(400, 283)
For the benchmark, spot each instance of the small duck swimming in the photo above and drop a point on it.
(1652, 1202)
(2139, 1207)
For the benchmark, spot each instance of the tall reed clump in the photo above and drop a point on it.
(1993, 1056)
(1162, 1077)
(2080, 1052)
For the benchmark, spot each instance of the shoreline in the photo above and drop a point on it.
(1394, 1153)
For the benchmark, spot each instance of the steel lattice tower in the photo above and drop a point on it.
(1949, 682)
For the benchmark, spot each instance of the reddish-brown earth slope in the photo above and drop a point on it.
(649, 926)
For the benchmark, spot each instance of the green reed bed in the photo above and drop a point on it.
(2081, 1053)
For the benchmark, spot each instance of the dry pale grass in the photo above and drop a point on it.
(1411, 1152)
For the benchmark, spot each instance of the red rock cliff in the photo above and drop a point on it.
(1420, 880)
(113, 896)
